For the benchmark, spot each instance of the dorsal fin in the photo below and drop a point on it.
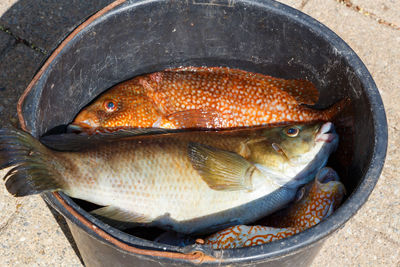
(81, 141)
(302, 90)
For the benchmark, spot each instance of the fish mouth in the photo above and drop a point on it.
(329, 181)
(86, 120)
(326, 133)
(326, 175)
(74, 128)
(86, 124)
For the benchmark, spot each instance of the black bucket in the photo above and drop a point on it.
(129, 38)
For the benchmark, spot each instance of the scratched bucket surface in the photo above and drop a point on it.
(137, 37)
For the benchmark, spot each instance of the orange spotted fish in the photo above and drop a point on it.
(316, 201)
(201, 97)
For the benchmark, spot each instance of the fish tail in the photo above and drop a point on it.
(33, 166)
(335, 109)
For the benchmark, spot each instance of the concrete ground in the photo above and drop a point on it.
(29, 31)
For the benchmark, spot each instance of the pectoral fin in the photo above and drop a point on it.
(221, 169)
(196, 118)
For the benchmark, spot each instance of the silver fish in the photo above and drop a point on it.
(187, 182)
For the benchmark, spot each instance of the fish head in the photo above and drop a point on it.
(325, 187)
(118, 107)
(321, 197)
(315, 201)
(329, 189)
(296, 150)
(294, 141)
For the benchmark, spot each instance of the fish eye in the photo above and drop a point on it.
(292, 131)
(110, 105)
(300, 194)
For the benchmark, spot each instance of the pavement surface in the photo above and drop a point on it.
(30, 30)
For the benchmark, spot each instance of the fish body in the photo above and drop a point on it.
(317, 201)
(246, 236)
(189, 183)
(197, 97)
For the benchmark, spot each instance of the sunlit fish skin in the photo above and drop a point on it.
(189, 183)
(196, 97)
(317, 201)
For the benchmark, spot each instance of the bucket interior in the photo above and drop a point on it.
(264, 37)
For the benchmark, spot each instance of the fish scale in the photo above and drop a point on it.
(201, 97)
(162, 91)
(142, 197)
(190, 182)
(318, 202)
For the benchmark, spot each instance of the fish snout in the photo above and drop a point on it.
(327, 133)
(326, 175)
(86, 120)
(329, 181)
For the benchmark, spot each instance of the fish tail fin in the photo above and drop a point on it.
(335, 109)
(33, 166)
